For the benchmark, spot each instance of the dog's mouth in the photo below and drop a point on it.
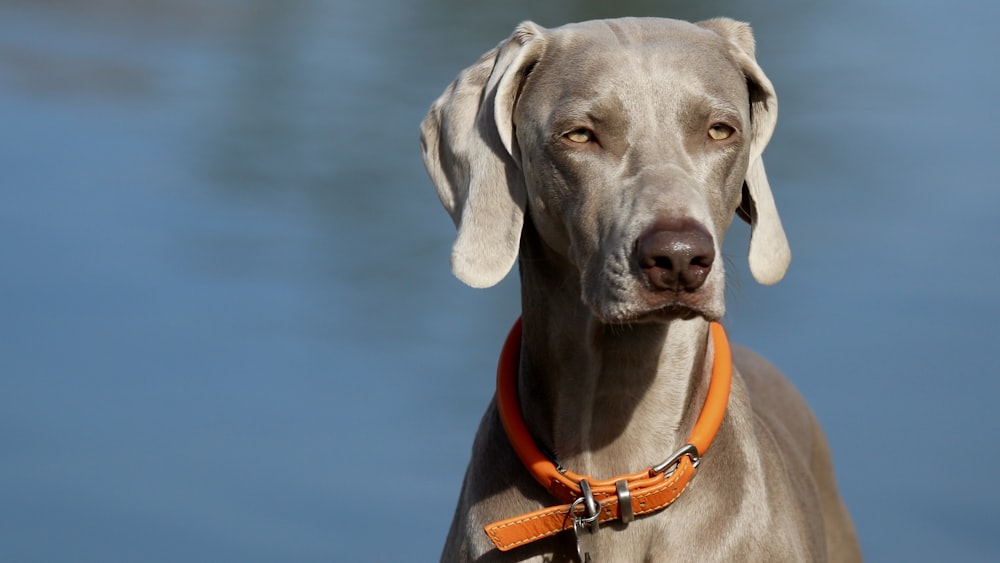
(659, 308)
(674, 310)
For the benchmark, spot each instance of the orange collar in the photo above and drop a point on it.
(592, 501)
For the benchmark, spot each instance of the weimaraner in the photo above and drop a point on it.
(610, 157)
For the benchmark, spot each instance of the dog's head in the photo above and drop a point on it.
(630, 143)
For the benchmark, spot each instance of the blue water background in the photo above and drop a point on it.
(228, 330)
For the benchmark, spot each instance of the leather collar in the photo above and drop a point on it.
(596, 501)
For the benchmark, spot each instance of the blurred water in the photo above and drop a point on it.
(227, 316)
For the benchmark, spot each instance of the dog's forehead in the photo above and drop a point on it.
(626, 31)
(668, 54)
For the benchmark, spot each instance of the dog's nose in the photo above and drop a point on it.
(676, 258)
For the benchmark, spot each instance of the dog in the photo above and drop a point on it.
(609, 158)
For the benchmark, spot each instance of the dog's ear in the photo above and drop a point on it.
(469, 150)
(769, 254)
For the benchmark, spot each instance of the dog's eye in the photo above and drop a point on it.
(720, 131)
(580, 136)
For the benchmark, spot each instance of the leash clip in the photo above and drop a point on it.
(585, 526)
(592, 506)
(671, 462)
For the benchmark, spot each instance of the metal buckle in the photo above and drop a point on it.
(671, 462)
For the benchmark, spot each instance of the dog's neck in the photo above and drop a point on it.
(603, 399)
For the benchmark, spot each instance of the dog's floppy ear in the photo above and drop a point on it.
(769, 252)
(469, 150)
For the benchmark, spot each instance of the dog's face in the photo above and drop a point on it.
(635, 147)
(629, 143)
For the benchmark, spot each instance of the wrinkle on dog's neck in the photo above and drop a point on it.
(604, 399)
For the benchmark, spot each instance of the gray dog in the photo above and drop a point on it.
(609, 158)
